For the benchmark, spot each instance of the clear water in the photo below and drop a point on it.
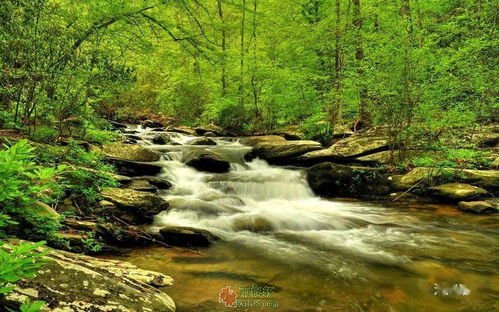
(317, 254)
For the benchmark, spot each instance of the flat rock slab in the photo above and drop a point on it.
(358, 145)
(134, 206)
(276, 149)
(71, 282)
(130, 152)
(457, 192)
(479, 207)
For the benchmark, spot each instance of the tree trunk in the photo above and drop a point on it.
(223, 79)
(364, 115)
(336, 108)
(242, 55)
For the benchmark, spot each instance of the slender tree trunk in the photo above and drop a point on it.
(242, 55)
(337, 107)
(255, 67)
(419, 22)
(223, 79)
(364, 115)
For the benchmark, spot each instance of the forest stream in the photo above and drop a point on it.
(284, 249)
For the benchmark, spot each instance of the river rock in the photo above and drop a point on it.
(218, 131)
(132, 160)
(72, 282)
(328, 179)
(479, 207)
(142, 185)
(133, 206)
(207, 161)
(202, 141)
(381, 158)
(160, 183)
(129, 152)
(152, 124)
(425, 176)
(276, 149)
(358, 145)
(161, 139)
(209, 134)
(182, 129)
(457, 192)
(135, 168)
(187, 237)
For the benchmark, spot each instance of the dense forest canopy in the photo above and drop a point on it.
(251, 64)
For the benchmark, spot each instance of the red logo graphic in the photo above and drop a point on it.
(228, 297)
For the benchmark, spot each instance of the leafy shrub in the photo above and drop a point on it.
(45, 134)
(19, 262)
(454, 158)
(22, 183)
(100, 136)
(315, 128)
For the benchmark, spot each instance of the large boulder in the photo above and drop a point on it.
(131, 160)
(127, 152)
(187, 237)
(359, 144)
(328, 179)
(135, 207)
(455, 192)
(208, 161)
(182, 130)
(202, 141)
(479, 207)
(380, 158)
(72, 282)
(135, 168)
(161, 139)
(214, 129)
(277, 150)
(152, 124)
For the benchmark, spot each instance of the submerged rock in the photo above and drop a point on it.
(133, 206)
(72, 282)
(252, 224)
(208, 161)
(480, 207)
(457, 192)
(187, 237)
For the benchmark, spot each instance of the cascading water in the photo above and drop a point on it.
(271, 213)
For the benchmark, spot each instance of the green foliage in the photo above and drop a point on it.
(20, 262)
(34, 306)
(22, 183)
(91, 244)
(453, 158)
(45, 134)
(315, 128)
(100, 136)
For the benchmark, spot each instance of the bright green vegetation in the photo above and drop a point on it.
(423, 67)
